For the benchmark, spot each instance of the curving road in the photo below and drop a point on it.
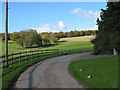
(51, 73)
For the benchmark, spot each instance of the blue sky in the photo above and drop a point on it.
(52, 16)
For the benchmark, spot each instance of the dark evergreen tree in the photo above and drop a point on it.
(108, 36)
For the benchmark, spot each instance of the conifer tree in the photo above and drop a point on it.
(108, 36)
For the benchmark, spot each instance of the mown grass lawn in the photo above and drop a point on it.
(104, 72)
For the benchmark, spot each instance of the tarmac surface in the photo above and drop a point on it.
(51, 73)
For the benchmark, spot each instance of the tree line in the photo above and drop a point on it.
(107, 40)
(30, 37)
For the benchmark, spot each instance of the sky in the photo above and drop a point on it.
(52, 16)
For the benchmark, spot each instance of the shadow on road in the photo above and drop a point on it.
(30, 84)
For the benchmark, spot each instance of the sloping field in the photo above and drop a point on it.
(74, 39)
(80, 43)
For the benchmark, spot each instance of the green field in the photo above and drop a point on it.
(73, 46)
(12, 47)
(104, 72)
(11, 75)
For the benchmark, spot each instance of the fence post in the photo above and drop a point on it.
(3, 57)
(64, 52)
(31, 55)
(58, 52)
(41, 53)
(20, 59)
(49, 53)
(61, 51)
(54, 52)
(25, 56)
(37, 53)
(12, 60)
(45, 54)
(68, 51)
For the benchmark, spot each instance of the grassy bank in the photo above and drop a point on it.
(10, 75)
(104, 72)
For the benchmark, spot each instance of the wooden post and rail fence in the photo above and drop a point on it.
(18, 58)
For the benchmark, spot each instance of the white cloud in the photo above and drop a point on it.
(95, 27)
(97, 14)
(48, 28)
(90, 11)
(85, 13)
(76, 11)
(61, 24)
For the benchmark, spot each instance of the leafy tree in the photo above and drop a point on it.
(65, 34)
(50, 33)
(68, 34)
(28, 38)
(14, 36)
(72, 34)
(38, 40)
(54, 38)
(3, 37)
(9, 35)
(32, 37)
(21, 38)
(76, 33)
(82, 33)
(45, 39)
(61, 34)
(89, 32)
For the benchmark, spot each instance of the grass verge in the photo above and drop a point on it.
(11, 77)
(104, 72)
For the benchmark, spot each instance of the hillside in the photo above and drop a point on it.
(69, 45)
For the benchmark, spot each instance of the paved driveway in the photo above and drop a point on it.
(51, 73)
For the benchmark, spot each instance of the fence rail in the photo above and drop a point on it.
(27, 55)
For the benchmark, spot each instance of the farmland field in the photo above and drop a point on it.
(13, 47)
(77, 46)
(74, 39)
(104, 72)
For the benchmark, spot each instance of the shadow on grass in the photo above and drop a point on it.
(10, 70)
(49, 45)
(63, 41)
